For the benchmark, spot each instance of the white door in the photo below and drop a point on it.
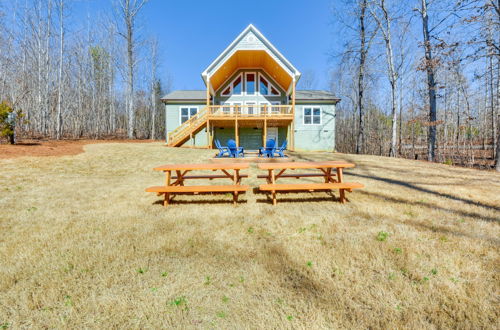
(264, 107)
(249, 109)
(272, 133)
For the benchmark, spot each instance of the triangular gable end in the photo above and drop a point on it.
(251, 39)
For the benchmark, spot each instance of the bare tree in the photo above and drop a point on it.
(431, 82)
(129, 10)
(363, 50)
(384, 25)
(154, 68)
(308, 79)
(60, 73)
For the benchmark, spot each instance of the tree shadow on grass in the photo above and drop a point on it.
(268, 200)
(428, 205)
(199, 202)
(427, 191)
(448, 231)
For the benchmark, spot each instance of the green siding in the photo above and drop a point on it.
(250, 138)
(224, 134)
(315, 137)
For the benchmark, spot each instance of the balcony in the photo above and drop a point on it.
(250, 112)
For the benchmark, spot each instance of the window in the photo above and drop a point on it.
(233, 88)
(312, 116)
(250, 83)
(275, 110)
(187, 113)
(226, 109)
(237, 86)
(263, 89)
(250, 108)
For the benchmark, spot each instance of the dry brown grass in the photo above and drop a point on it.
(82, 245)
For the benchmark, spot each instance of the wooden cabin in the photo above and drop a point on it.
(251, 96)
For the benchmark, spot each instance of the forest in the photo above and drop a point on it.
(418, 79)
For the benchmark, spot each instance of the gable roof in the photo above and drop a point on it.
(200, 95)
(186, 95)
(251, 40)
(315, 95)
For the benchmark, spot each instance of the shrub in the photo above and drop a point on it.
(7, 121)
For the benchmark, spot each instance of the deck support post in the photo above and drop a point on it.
(264, 134)
(292, 129)
(236, 132)
(209, 145)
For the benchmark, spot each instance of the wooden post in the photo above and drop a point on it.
(264, 135)
(208, 91)
(292, 129)
(236, 133)
(273, 192)
(167, 183)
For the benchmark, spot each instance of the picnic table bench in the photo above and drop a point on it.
(175, 184)
(326, 167)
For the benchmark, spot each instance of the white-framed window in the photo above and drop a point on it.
(250, 108)
(234, 88)
(275, 110)
(265, 86)
(250, 86)
(312, 116)
(264, 107)
(187, 112)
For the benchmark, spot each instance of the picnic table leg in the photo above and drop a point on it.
(180, 178)
(236, 181)
(273, 192)
(340, 179)
(167, 183)
(328, 176)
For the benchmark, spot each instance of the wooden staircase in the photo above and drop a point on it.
(188, 129)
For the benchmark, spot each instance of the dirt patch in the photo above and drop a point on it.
(38, 148)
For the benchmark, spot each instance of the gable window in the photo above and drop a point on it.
(188, 112)
(237, 86)
(250, 83)
(265, 87)
(234, 88)
(312, 116)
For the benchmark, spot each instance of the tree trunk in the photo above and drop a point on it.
(431, 85)
(60, 76)
(360, 145)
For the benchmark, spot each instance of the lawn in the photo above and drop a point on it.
(83, 246)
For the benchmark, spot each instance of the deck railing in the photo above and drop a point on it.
(250, 110)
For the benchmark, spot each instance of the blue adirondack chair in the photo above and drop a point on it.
(222, 150)
(281, 150)
(269, 149)
(234, 151)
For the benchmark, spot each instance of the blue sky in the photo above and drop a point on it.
(192, 33)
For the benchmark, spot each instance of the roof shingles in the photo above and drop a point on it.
(191, 95)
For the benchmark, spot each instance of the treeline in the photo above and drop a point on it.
(419, 79)
(94, 78)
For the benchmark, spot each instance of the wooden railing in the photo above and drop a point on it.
(247, 110)
(188, 126)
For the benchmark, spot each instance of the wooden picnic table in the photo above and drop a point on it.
(325, 168)
(175, 184)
